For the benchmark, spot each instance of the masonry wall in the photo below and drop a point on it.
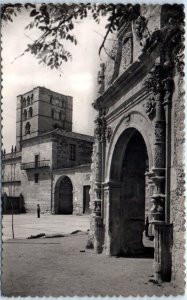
(80, 177)
(11, 174)
(177, 184)
(49, 101)
(126, 47)
(42, 147)
(83, 151)
(37, 192)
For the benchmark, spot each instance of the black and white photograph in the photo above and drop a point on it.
(92, 149)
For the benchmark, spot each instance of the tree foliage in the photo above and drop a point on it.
(56, 23)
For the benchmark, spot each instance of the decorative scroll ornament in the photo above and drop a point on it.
(150, 107)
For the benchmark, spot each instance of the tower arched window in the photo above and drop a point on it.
(28, 100)
(32, 98)
(24, 102)
(27, 128)
(25, 114)
(30, 112)
(60, 115)
(53, 113)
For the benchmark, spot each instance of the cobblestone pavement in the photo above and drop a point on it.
(62, 266)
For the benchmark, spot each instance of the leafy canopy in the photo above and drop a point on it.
(56, 23)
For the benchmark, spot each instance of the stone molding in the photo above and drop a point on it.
(136, 71)
(126, 105)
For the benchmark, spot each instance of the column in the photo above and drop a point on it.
(158, 198)
(98, 220)
(160, 210)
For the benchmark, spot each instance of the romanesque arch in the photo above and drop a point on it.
(63, 196)
(137, 121)
(126, 214)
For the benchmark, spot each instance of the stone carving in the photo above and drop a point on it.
(127, 120)
(126, 53)
(103, 128)
(100, 128)
(150, 107)
(159, 159)
(159, 131)
(169, 89)
(101, 78)
(157, 209)
(97, 207)
(108, 133)
(140, 26)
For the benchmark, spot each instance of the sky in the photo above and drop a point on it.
(77, 78)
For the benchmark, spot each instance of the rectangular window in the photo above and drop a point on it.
(36, 161)
(36, 178)
(72, 152)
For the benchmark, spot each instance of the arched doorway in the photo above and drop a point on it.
(127, 196)
(64, 196)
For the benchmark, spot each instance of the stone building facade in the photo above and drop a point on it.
(50, 164)
(137, 166)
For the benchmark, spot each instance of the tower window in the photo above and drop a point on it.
(28, 100)
(28, 128)
(32, 98)
(36, 159)
(53, 113)
(72, 152)
(60, 115)
(36, 177)
(25, 114)
(51, 99)
(24, 102)
(30, 112)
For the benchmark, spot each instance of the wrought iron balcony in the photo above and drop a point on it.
(34, 165)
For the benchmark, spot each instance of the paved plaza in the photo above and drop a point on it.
(26, 225)
(63, 266)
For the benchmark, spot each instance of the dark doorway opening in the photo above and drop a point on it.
(64, 197)
(86, 199)
(127, 203)
(133, 196)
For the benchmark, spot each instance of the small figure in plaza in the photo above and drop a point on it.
(38, 211)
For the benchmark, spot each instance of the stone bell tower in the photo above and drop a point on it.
(41, 110)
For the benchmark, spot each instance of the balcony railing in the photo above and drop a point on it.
(34, 165)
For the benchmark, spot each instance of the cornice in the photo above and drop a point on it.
(127, 105)
(133, 74)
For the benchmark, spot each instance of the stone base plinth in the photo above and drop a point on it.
(163, 256)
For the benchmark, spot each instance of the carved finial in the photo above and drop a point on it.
(101, 78)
